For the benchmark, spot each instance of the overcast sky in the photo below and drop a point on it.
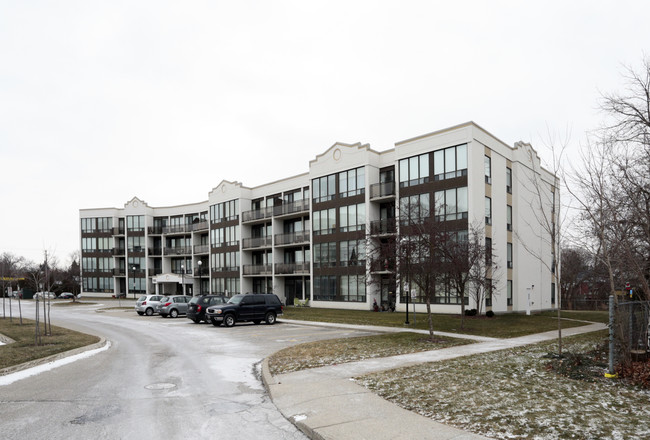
(104, 101)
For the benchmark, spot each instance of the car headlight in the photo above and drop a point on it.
(218, 312)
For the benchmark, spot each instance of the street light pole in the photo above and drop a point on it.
(183, 278)
(133, 282)
(200, 263)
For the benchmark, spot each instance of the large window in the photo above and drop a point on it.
(324, 254)
(414, 208)
(135, 223)
(352, 217)
(89, 244)
(104, 244)
(228, 236)
(450, 162)
(414, 170)
(89, 264)
(324, 188)
(88, 224)
(488, 169)
(225, 211)
(135, 244)
(324, 221)
(352, 182)
(325, 288)
(225, 286)
(451, 204)
(353, 288)
(353, 253)
(225, 261)
(509, 217)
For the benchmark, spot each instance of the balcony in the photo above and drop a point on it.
(258, 269)
(257, 242)
(118, 231)
(257, 214)
(201, 271)
(387, 265)
(177, 229)
(180, 250)
(382, 190)
(200, 226)
(119, 251)
(292, 268)
(182, 271)
(383, 227)
(119, 272)
(201, 249)
(225, 269)
(155, 251)
(301, 237)
(155, 230)
(299, 206)
(154, 272)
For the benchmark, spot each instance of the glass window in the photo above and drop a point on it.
(488, 211)
(488, 169)
(509, 180)
(509, 217)
(509, 292)
(509, 252)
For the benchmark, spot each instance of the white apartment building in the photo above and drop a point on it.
(308, 237)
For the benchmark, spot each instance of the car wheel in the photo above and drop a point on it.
(173, 313)
(149, 311)
(270, 318)
(164, 315)
(215, 323)
(140, 313)
(229, 320)
(256, 321)
(196, 320)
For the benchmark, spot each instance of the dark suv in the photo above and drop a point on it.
(253, 307)
(199, 304)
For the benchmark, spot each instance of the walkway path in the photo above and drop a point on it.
(325, 404)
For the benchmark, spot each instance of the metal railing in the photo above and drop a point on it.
(386, 226)
(292, 238)
(291, 208)
(258, 269)
(256, 242)
(291, 268)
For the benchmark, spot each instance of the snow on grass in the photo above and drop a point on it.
(513, 394)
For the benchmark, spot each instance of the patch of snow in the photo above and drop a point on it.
(19, 375)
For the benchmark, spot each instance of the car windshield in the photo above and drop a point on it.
(194, 300)
(235, 299)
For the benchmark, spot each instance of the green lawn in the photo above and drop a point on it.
(501, 326)
(24, 349)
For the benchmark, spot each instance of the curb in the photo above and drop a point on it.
(29, 364)
(268, 380)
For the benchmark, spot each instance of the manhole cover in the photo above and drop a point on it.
(160, 386)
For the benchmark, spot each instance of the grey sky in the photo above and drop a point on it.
(103, 101)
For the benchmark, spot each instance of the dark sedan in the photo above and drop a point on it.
(199, 304)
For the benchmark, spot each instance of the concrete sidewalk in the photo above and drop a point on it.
(326, 404)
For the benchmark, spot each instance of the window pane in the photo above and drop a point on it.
(424, 166)
(343, 182)
(413, 168)
(461, 157)
(439, 162)
(361, 179)
(403, 170)
(450, 160)
(439, 202)
(461, 199)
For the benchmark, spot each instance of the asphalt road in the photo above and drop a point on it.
(161, 378)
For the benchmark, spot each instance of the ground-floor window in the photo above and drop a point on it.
(225, 286)
(353, 288)
(325, 288)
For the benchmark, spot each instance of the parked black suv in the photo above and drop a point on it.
(253, 307)
(199, 304)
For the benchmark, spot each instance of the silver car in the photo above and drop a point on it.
(146, 304)
(173, 305)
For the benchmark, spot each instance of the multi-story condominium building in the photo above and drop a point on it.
(313, 236)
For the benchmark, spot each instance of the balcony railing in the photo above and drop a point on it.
(180, 250)
(291, 208)
(258, 269)
(200, 225)
(155, 251)
(292, 268)
(386, 226)
(119, 272)
(182, 271)
(118, 231)
(292, 238)
(201, 249)
(256, 242)
(154, 272)
(225, 269)
(257, 214)
(155, 230)
(201, 271)
(386, 189)
(119, 251)
(386, 265)
(177, 229)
